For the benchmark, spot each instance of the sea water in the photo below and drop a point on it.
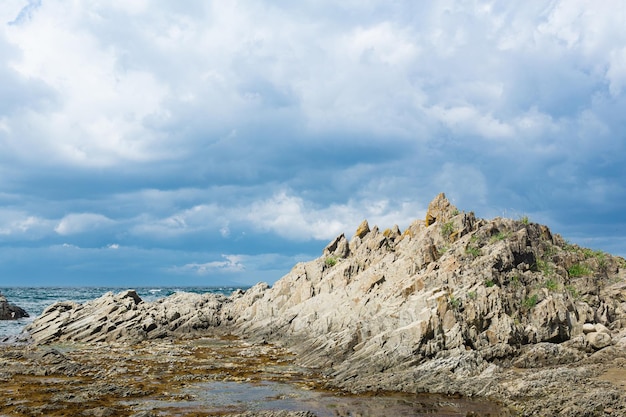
(35, 299)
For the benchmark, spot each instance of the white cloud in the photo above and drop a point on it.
(231, 263)
(77, 223)
(197, 218)
(99, 117)
(592, 28)
(616, 72)
(22, 225)
(284, 214)
(468, 120)
(296, 219)
(381, 42)
(123, 95)
(288, 217)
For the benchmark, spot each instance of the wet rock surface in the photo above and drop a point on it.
(117, 379)
(199, 377)
(501, 309)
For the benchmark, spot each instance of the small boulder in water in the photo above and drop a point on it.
(10, 311)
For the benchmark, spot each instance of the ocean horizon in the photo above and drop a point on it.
(35, 299)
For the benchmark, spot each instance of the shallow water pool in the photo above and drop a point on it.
(233, 397)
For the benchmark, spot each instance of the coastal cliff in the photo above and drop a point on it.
(500, 308)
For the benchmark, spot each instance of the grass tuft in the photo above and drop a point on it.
(499, 236)
(530, 302)
(551, 285)
(545, 267)
(473, 251)
(578, 270)
(455, 303)
(447, 229)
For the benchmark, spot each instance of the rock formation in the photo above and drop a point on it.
(125, 317)
(10, 311)
(454, 304)
(436, 308)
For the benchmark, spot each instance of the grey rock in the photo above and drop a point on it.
(598, 340)
(588, 328)
(547, 354)
(10, 311)
(124, 317)
(600, 328)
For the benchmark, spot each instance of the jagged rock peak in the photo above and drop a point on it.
(440, 209)
(338, 247)
(392, 233)
(363, 229)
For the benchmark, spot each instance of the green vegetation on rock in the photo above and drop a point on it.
(551, 285)
(473, 251)
(330, 261)
(455, 303)
(545, 267)
(447, 229)
(530, 302)
(499, 236)
(578, 270)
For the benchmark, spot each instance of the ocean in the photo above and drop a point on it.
(35, 299)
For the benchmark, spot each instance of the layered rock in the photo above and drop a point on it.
(125, 317)
(452, 293)
(10, 311)
(454, 304)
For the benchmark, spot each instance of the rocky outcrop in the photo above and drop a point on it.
(10, 311)
(125, 317)
(454, 304)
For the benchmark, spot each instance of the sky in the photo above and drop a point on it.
(208, 143)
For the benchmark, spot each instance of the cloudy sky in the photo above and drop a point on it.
(220, 142)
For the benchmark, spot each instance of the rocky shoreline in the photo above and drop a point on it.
(498, 309)
(207, 376)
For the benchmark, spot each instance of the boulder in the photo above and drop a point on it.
(10, 311)
(598, 340)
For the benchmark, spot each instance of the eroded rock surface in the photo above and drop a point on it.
(498, 308)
